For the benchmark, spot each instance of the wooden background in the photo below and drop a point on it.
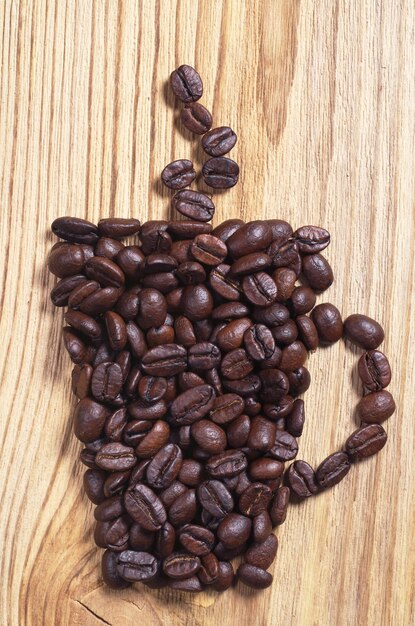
(322, 96)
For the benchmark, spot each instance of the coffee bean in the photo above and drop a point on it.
(259, 342)
(328, 322)
(115, 457)
(234, 530)
(236, 364)
(245, 386)
(196, 118)
(274, 385)
(209, 436)
(191, 472)
(363, 331)
(262, 434)
(215, 498)
(220, 172)
(136, 566)
(75, 230)
(307, 331)
(317, 272)
(228, 463)
(279, 505)
(61, 293)
(164, 467)
(145, 507)
(196, 302)
(194, 205)
(252, 576)
(154, 238)
(110, 574)
(374, 370)
(203, 356)
(187, 230)
(109, 509)
(302, 300)
(265, 469)
(89, 419)
(165, 540)
(376, 407)
(302, 479)
(254, 499)
(181, 565)
(178, 174)
(365, 441)
(183, 509)
(259, 289)
(332, 470)
(192, 405)
(262, 554)
(155, 439)
(221, 281)
(152, 388)
(166, 360)
(186, 84)
(311, 239)
(250, 263)
(208, 250)
(197, 539)
(227, 228)
(191, 584)
(285, 446)
(226, 408)
(94, 485)
(219, 141)
(105, 272)
(130, 259)
(106, 382)
(152, 309)
(209, 571)
(284, 278)
(66, 260)
(230, 310)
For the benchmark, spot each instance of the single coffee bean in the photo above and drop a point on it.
(109, 570)
(164, 467)
(374, 370)
(307, 331)
(262, 554)
(130, 259)
(191, 584)
(187, 230)
(228, 463)
(166, 360)
(209, 436)
(234, 530)
(225, 576)
(203, 356)
(152, 388)
(274, 383)
(106, 382)
(104, 271)
(89, 419)
(285, 279)
(302, 479)
(219, 141)
(145, 507)
(222, 552)
(252, 576)
(261, 527)
(192, 405)
(295, 418)
(285, 446)
(243, 387)
(259, 342)
(302, 300)
(293, 356)
(158, 262)
(197, 539)
(279, 506)
(186, 84)
(311, 239)
(262, 434)
(317, 272)
(94, 485)
(226, 408)
(365, 441)
(116, 330)
(251, 237)
(191, 472)
(152, 309)
(118, 227)
(284, 253)
(215, 498)
(209, 571)
(363, 331)
(231, 336)
(259, 289)
(236, 364)
(328, 322)
(115, 483)
(115, 457)
(376, 407)
(220, 172)
(178, 174)
(194, 205)
(254, 499)
(136, 566)
(250, 263)
(208, 250)
(154, 238)
(196, 302)
(230, 310)
(165, 540)
(108, 247)
(75, 230)
(274, 315)
(181, 565)
(61, 293)
(66, 260)
(141, 539)
(183, 509)
(109, 509)
(332, 470)
(226, 229)
(152, 442)
(265, 469)
(196, 118)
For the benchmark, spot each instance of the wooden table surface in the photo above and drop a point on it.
(322, 97)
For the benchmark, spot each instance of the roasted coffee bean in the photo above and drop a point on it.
(279, 410)
(191, 273)
(187, 230)
(261, 527)
(66, 260)
(203, 356)
(115, 483)
(231, 336)
(209, 436)
(317, 272)
(219, 141)
(152, 309)
(234, 530)
(265, 469)
(63, 289)
(254, 499)
(116, 330)
(136, 566)
(115, 457)
(89, 419)
(191, 472)
(130, 259)
(365, 441)
(194, 205)
(208, 250)
(196, 118)
(311, 239)
(245, 386)
(225, 576)
(165, 540)
(108, 247)
(160, 336)
(252, 576)
(307, 331)
(110, 573)
(164, 467)
(236, 364)
(151, 443)
(251, 237)
(299, 380)
(196, 302)
(158, 262)
(252, 406)
(181, 565)
(374, 370)
(376, 407)
(94, 485)
(222, 552)
(209, 571)
(363, 331)
(197, 539)
(285, 334)
(118, 227)
(302, 479)
(302, 300)
(285, 447)
(77, 349)
(106, 382)
(284, 253)
(230, 310)
(279, 506)
(166, 360)
(274, 385)
(223, 283)
(192, 405)
(332, 470)
(145, 507)
(226, 229)
(154, 238)
(293, 356)
(284, 278)
(295, 418)
(259, 342)
(220, 172)
(186, 84)
(109, 509)
(226, 408)
(328, 322)
(152, 388)
(250, 263)
(104, 271)
(262, 434)
(75, 230)
(273, 316)
(81, 380)
(183, 509)
(228, 463)
(203, 329)
(113, 534)
(262, 554)
(178, 174)
(191, 584)
(259, 289)
(215, 498)
(141, 539)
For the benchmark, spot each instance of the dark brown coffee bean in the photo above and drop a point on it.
(262, 554)
(136, 566)
(166, 360)
(363, 331)
(110, 574)
(62, 291)
(236, 364)
(317, 272)
(234, 530)
(183, 509)
(262, 434)
(259, 342)
(196, 302)
(76, 347)
(197, 539)
(186, 84)
(261, 527)
(75, 230)
(113, 534)
(171, 493)
(252, 576)
(272, 316)
(226, 408)
(307, 332)
(219, 141)
(145, 507)
(332, 470)
(230, 310)
(250, 263)
(196, 118)
(187, 230)
(231, 336)
(154, 440)
(215, 498)
(365, 441)
(285, 334)
(224, 284)
(222, 552)
(105, 272)
(208, 250)
(284, 253)
(194, 205)
(100, 300)
(164, 467)
(285, 446)
(259, 289)
(311, 239)
(115, 457)
(251, 237)
(66, 260)
(295, 419)
(178, 174)
(302, 479)
(184, 330)
(192, 405)
(160, 336)
(130, 259)
(302, 300)
(225, 576)
(116, 330)
(299, 380)
(127, 305)
(254, 499)
(165, 540)
(226, 229)
(191, 584)
(203, 356)
(209, 571)
(374, 370)
(279, 506)
(209, 436)
(94, 485)
(220, 172)
(115, 483)
(141, 539)
(89, 419)
(109, 509)
(181, 565)
(157, 262)
(293, 356)
(265, 469)
(108, 247)
(136, 340)
(81, 380)
(118, 227)
(191, 472)
(152, 388)
(191, 273)
(154, 238)
(152, 309)
(244, 387)
(106, 382)
(280, 409)
(376, 407)
(135, 431)
(328, 322)
(284, 278)
(274, 383)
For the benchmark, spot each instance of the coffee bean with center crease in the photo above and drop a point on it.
(363, 331)
(220, 172)
(236, 364)
(194, 205)
(226, 408)
(203, 356)
(365, 441)
(106, 382)
(145, 507)
(118, 227)
(181, 565)
(219, 141)
(215, 498)
(166, 360)
(115, 457)
(302, 479)
(61, 293)
(228, 463)
(259, 289)
(251, 237)
(285, 446)
(279, 506)
(250, 263)
(223, 283)
(192, 405)
(183, 509)
(262, 554)
(374, 370)
(311, 239)
(186, 84)
(105, 272)
(328, 322)
(178, 174)
(136, 566)
(332, 470)
(208, 250)
(259, 342)
(164, 466)
(197, 539)
(75, 230)
(196, 118)
(255, 499)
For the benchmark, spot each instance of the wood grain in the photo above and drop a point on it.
(322, 96)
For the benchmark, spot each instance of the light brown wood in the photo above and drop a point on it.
(322, 96)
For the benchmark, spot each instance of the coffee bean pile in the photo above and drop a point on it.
(189, 348)
(218, 172)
